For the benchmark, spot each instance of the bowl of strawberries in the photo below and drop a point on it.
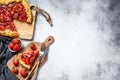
(15, 45)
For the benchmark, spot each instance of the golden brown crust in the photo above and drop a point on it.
(28, 11)
(9, 1)
(9, 33)
(25, 4)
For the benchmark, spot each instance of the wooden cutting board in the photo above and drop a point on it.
(41, 46)
(26, 30)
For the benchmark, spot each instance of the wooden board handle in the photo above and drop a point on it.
(47, 42)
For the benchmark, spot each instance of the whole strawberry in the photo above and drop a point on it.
(32, 46)
(15, 62)
(15, 41)
(14, 70)
(11, 45)
(16, 47)
(23, 72)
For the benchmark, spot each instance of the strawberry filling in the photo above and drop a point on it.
(9, 12)
(29, 57)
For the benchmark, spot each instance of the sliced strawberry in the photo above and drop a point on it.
(27, 55)
(9, 9)
(24, 20)
(1, 18)
(2, 14)
(32, 59)
(20, 18)
(27, 61)
(24, 15)
(5, 24)
(12, 12)
(36, 53)
(31, 53)
(7, 13)
(23, 59)
(15, 16)
(12, 26)
(15, 3)
(20, 5)
(8, 18)
(1, 10)
(18, 10)
(3, 5)
(24, 56)
(11, 5)
(2, 28)
(7, 27)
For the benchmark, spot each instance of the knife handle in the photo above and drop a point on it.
(47, 42)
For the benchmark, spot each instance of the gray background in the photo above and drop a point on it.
(87, 39)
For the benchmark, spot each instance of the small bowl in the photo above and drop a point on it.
(16, 50)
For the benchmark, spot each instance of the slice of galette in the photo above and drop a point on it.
(27, 59)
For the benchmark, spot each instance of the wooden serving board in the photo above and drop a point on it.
(41, 46)
(26, 30)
